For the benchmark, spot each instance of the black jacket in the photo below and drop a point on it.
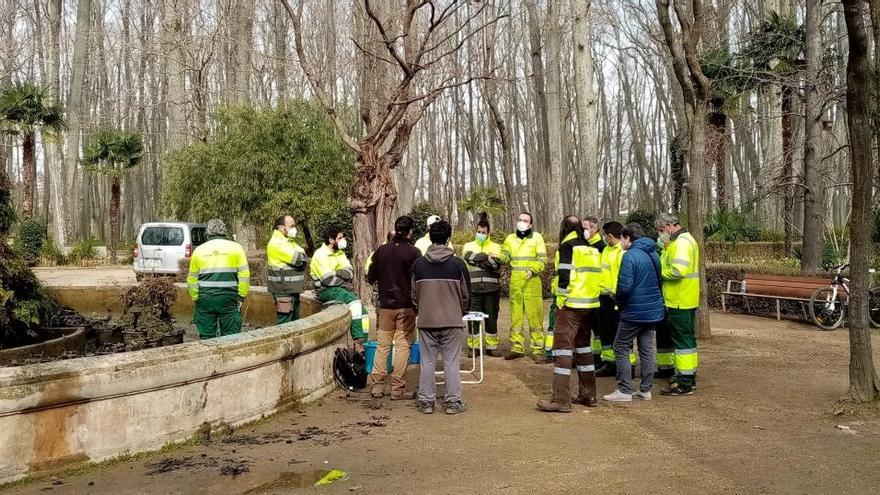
(391, 268)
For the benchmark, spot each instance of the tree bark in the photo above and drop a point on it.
(717, 123)
(554, 115)
(538, 180)
(814, 187)
(173, 15)
(76, 113)
(786, 175)
(587, 108)
(28, 175)
(115, 200)
(863, 381)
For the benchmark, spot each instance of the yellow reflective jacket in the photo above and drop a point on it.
(527, 254)
(286, 263)
(218, 267)
(579, 271)
(484, 275)
(680, 265)
(330, 269)
(424, 242)
(611, 257)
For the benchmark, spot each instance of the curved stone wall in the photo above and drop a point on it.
(83, 410)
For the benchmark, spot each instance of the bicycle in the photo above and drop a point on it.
(828, 305)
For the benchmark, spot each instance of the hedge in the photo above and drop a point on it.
(722, 251)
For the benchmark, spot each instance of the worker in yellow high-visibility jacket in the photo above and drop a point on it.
(527, 254)
(286, 263)
(680, 265)
(424, 242)
(483, 259)
(218, 281)
(333, 276)
(609, 316)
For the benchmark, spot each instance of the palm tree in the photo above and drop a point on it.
(483, 199)
(25, 109)
(110, 153)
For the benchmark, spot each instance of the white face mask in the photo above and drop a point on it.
(587, 234)
(291, 232)
(341, 244)
(522, 226)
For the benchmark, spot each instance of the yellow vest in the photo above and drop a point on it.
(218, 267)
(680, 265)
(330, 268)
(528, 254)
(611, 258)
(482, 280)
(579, 269)
(286, 263)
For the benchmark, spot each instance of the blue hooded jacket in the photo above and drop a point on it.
(638, 284)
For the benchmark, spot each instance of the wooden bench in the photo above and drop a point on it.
(779, 288)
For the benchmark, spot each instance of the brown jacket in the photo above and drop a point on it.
(441, 289)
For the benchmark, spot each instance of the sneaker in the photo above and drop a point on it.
(456, 407)
(638, 394)
(550, 406)
(618, 396)
(585, 401)
(426, 407)
(510, 356)
(676, 389)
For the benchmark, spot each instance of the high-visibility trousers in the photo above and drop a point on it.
(484, 302)
(682, 329)
(360, 319)
(526, 299)
(216, 316)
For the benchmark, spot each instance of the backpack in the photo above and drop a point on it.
(349, 369)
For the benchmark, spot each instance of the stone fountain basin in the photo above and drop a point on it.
(59, 414)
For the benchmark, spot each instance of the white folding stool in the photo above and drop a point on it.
(480, 317)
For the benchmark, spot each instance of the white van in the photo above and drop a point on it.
(161, 246)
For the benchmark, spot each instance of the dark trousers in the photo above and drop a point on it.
(609, 319)
(665, 354)
(485, 302)
(571, 342)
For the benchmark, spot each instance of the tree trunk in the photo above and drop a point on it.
(863, 381)
(538, 181)
(717, 138)
(173, 15)
(115, 200)
(814, 187)
(554, 115)
(28, 175)
(587, 108)
(786, 176)
(76, 114)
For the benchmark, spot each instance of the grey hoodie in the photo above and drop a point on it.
(440, 281)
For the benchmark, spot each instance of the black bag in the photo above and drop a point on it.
(349, 369)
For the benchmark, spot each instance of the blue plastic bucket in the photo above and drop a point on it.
(370, 355)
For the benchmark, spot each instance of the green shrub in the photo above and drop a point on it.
(83, 251)
(31, 238)
(51, 255)
(729, 225)
(646, 219)
(832, 255)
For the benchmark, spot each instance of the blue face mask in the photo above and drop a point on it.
(482, 237)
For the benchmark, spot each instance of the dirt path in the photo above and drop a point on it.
(764, 420)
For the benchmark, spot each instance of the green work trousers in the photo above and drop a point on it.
(485, 302)
(216, 316)
(682, 325)
(360, 319)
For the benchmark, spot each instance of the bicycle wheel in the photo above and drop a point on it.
(874, 306)
(826, 310)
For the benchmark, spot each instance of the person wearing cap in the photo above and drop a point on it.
(218, 282)
(424, 242)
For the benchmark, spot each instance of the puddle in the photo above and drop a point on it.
(292, 480)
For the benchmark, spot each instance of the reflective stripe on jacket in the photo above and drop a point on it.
(286, 263)
(681, 272)
(485, 276)
(218, 267)
(330, 268)
(610, 258)
(579, 270)
(527, 254)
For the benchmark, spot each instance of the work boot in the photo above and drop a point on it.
(510, 356)
(664, 373)
(541, 359)
(606, 370)
(550, 406)
(492, 353)
(403, 396)
(586, 401)
(677, 389)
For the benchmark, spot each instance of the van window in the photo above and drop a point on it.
(198, 236)
(162, 236)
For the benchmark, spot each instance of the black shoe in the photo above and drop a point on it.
(513, 355)
(606, 370)
(456, 407)
(676, 389)
(541, 359)
(426, 407)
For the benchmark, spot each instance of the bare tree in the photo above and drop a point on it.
(864, 385)
(425, 37)
(587, 107)
(814, 187)
(684, 48)
(554, 201)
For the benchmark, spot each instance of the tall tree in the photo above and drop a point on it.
(814, 187)
(25, 110)
(111, 153)
(864, 384)
(405, 51)
(587, 107)
(684, 49)
(554, 205)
